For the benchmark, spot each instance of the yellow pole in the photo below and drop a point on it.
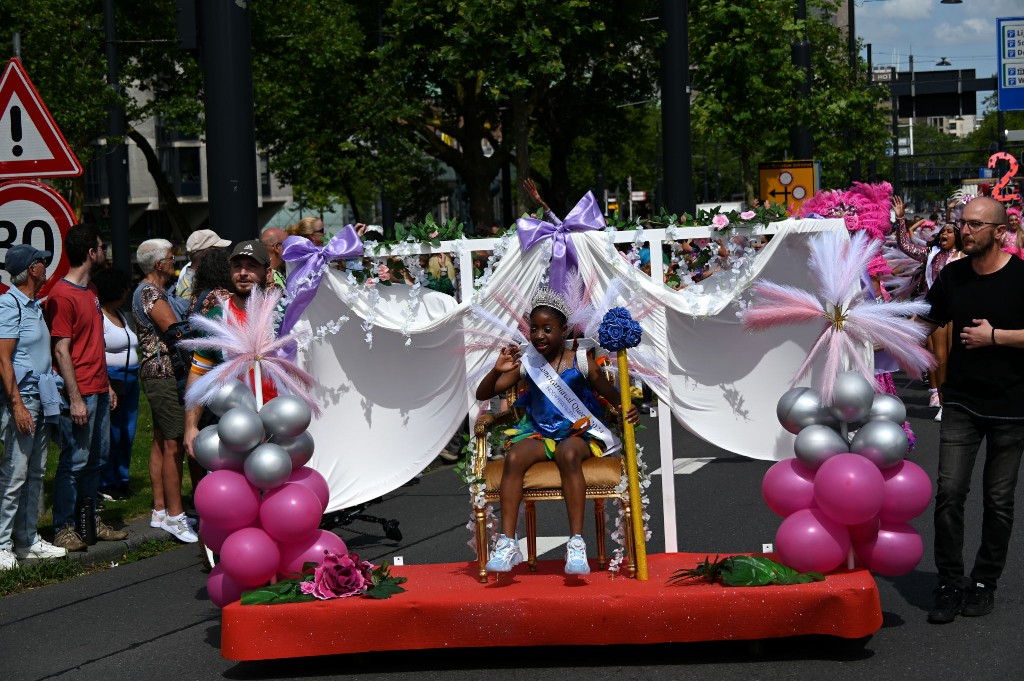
(632, 471)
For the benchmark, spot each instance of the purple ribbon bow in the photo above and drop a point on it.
(584, 217)
(304, 279)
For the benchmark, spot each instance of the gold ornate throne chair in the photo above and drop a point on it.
(544, 483)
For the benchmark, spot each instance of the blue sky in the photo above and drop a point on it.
(965, 34)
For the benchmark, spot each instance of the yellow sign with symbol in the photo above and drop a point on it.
(788, 183)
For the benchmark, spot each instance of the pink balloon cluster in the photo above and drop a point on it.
(261, 538)
(848, 502)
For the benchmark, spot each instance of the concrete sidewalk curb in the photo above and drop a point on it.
(139, 532)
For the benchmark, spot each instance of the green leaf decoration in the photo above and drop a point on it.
(744, 571)
(285, 591)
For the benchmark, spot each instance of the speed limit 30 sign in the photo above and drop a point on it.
(33, 213)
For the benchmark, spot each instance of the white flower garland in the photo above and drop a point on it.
(619, 534)
(500, 247)
(477, 487)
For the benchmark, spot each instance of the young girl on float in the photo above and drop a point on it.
(554, 373)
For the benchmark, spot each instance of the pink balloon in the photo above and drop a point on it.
(810, 540)
(896, 550)
(250, 557)
(212, 535)
(227, 500)
(309, 551)
(291, 513)
(221, 588)
(864, 531)
(849, 489)
(787, 487)
(307, 477)
(908, 491)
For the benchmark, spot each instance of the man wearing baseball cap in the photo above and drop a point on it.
(197, 244)
(26, 371)
(249, 267)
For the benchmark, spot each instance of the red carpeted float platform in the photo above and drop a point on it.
(446, 607)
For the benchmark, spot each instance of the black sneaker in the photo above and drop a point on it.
(948, 601)
(979, 600)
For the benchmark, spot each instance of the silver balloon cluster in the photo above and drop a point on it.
(877, 420)
(266, 445)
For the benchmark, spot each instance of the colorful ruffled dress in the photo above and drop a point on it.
(543, 421)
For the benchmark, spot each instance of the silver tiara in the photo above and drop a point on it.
(549, 298)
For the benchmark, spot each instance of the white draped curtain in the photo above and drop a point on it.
(391, 407)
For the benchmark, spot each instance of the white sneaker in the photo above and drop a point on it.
(41, 549)
(933, 399)
(156, 519)
(938, 416)
(179, 529)
(8, 561)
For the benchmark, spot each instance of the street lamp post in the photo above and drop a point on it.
(675, 108)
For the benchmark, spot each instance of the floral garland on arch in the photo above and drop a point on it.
(384, 263)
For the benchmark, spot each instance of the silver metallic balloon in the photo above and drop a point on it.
(299, 448)
(883, 442)
(285, 416)
(232, 394)
(268, 466)
(816, 444)
(852, 397)
(827, 418)
(888, 407)
(240, 429)
(798, 408)
(213, 455)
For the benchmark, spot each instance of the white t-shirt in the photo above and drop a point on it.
(121, 344)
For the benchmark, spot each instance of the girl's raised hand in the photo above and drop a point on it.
(633, 415)
(897, 206)
(508, 359)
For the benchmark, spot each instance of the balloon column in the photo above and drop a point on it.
(840, 493)
(260, 506)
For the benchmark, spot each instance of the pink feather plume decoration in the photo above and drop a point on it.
(242, 344)
(848, 320)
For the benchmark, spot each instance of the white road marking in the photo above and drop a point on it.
(687, 466)
(544, 545)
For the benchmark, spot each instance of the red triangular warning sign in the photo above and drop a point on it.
(31, 144)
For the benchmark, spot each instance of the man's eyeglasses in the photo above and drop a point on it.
(975, 225)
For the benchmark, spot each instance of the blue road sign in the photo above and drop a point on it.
(1010, 32)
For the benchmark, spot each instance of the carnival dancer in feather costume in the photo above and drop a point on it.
(944, 248)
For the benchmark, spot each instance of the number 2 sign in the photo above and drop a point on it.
(997, 191)
(33, 213)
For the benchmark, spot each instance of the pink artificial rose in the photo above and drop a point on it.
(433, 235)
(747, 215)
(720, 221)
(384, 273)
(339, 576)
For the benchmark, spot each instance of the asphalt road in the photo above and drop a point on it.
(152, 620)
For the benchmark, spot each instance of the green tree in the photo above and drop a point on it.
(62, 52)
(746, 84)
(844, 116)
(465, 79)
